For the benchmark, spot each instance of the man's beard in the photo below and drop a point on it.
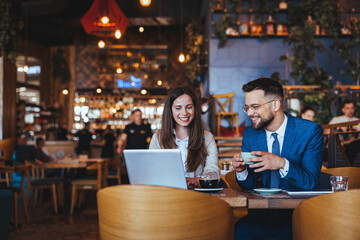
(263, 122)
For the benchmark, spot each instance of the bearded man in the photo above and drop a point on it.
(289, 153)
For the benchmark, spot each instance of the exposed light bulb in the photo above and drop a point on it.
(118, 34)
(145, 3)
(119, 70)
(159, 82)
(101, 44)
(98, 90)
(26, 68)
(105, 19)
(181, 58)
(141, 29)
(143, 92)
(65, 91)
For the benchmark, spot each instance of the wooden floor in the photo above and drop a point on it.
(44, 225)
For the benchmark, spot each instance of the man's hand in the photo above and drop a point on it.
(238, 163)
(266, 161)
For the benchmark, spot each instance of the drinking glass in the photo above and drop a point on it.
(339, 183)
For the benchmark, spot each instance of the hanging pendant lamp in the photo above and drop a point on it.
(105, 19)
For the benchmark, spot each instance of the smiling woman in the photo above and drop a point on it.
(182, 129)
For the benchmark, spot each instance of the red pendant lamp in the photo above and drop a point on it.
(104, 18)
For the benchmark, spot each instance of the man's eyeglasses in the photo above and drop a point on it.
(254, 107)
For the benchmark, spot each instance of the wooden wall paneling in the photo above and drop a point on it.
(9, 100)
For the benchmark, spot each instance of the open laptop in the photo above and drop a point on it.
(162, 167)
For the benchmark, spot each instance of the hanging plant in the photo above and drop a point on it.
(195, 59)
(349, 51)
(236, 5)
(305, 46)
(9, 28)
(220, 29)
(60, 67)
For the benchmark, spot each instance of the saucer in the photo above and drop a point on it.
(267, 190)
(208, 189)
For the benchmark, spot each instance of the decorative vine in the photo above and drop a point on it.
(60, 67)
(9, 28)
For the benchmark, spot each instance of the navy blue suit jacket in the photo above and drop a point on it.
(303, 147)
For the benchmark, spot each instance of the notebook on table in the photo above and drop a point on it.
(161, 167)
(305, 192)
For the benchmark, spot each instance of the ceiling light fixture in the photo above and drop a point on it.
(143, 92)
(159, 82)
(101, 44)
(145, 3)
(65, 91)
(118, 34)
(105, 19)
(98, 90)
(141, 29)
(119, 70)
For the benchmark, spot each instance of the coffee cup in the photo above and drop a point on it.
(246, 155)
(208, 182)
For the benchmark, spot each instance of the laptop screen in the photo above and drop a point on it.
(161, 167)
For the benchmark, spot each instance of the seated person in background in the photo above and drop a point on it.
(136, 135)
(181, 128)
(307, 113)
(348, 108)
(289, 154)
(353, 145)
(39, 152)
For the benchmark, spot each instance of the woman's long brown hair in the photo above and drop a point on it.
(197, 152)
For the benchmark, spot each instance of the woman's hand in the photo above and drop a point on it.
(192, 182)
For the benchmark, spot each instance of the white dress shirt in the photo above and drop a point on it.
(182, 145)
(241, 176)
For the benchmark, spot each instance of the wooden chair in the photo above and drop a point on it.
(7, 147)
(156, 212)
(87, 184)
(18, 192)
(225, 110)
(352, 172)
(112, 174)
(230, 179)
(330, 216)
(39, 182)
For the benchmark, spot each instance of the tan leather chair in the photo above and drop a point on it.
(330, 216)
(352, 172)
(230, 179)
(225, 103)
(156, 212)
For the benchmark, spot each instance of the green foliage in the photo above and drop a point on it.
(236, 5)
(304, 44)
(220, 29)
(9, 29)
(194, 58)
(60, 67)
(321, 103)
(349, 50)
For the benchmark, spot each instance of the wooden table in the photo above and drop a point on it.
(260, 201)
(72, 163)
